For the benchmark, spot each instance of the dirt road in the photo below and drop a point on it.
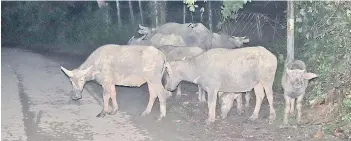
(36, 106)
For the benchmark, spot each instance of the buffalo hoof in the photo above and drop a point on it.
(283, 126)
(113, 112)
(101, 114)
(223, 116)
(178, 96)
(240, 113)
(209, 121)
(144, 113)
(272, 118)
(202, 100)
(253, 117)
(76, 98)
(160, 118)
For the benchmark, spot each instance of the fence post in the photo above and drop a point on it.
(258, 24)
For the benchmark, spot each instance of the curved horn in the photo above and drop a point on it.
(142, 37)
(130, 40)
(67, 72)
(141, 27)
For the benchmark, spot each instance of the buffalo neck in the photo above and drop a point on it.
(188, 71)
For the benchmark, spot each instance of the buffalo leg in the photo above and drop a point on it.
(114, 100)
(226, 104)
(211, 102)
(179, 92)
(247, 99)
(259, 93)
(269, 93)
(298, 108)
(152, 97)
(201, 93)
(106, 98)
(239, 103)
(163, 101)
(287, 109)
(292, 107)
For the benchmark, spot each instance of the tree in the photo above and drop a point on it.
(118, 14)
(227, 9)
(141, 12)
(103, 5)
(162, 11)
(131, 11)
(290, 32)
(210, 15)
(158, 9)
(184, 13)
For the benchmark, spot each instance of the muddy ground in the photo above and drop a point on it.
(34, 87)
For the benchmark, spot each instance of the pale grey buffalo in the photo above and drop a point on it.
(193, 35)
(294, 82)
(158, 40)
(174, 53)
(228, 70)
(167, 28)
(126, 65)
(226, 102)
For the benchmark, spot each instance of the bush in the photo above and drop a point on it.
(61, 24)
(322, 40)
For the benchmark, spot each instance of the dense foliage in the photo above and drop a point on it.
(69, 23)
(323, 39)
(228, 8)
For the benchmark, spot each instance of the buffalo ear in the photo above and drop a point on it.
(141, 27)
(67, 72)
(309, 76)
(246, 40)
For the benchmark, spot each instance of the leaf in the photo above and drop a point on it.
(192, 8)
(202, 9)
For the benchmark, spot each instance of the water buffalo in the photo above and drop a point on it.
(126, 65)
(294, 82)
(228, 70)
(193, 35)
(174, 53)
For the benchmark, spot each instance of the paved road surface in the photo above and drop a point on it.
(36, 106)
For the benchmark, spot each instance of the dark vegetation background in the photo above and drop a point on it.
(322, 37)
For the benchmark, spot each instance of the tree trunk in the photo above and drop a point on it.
(131, 11)
(141, 12)
(158, 13)
(118, 14)
(162, 11)
(104, 6)
(101, 3)
(210, 15)
(290, 32)
(184, 13)
(192, 17)
(154, 12)
(202, 16)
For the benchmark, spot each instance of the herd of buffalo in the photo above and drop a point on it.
(218, 64)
